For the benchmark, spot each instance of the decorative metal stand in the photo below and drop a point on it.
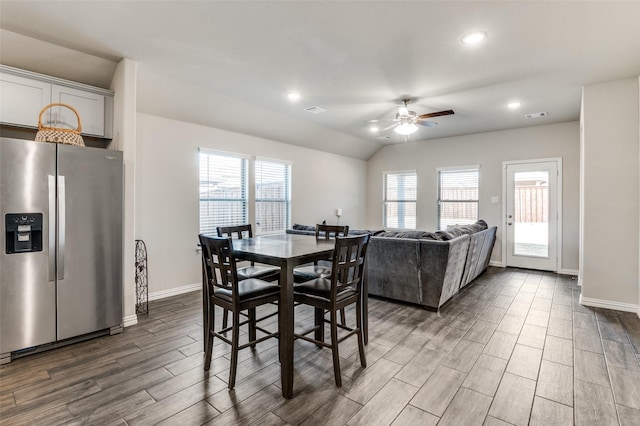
(142, 282)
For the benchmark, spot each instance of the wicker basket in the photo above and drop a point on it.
(57, 134)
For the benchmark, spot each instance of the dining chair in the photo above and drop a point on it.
(262, 272)
(321, 269)
(223, 288)
(342, 288)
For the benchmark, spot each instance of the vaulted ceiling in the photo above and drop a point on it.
(231, 64)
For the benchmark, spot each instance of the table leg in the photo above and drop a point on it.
(285, 324)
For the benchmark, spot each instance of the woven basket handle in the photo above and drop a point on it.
(43, 127)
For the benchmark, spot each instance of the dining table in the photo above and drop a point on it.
(287, 251)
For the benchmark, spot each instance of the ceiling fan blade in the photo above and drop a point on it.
(436, 114)
(391, 127)
(426, 123)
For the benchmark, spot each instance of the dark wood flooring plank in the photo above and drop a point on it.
(421, 367)
(385, 406)
(525, 362)
(628, 416)
(335, 412)
(36, 408)
(626, 386)
(513, 400)
(486, 375)
(620, 355)
(176, 403)
(255, 407)
(468, 408)
(150, 364)
(555, 383)
(118, 392)
(224, 399)
(116, 410)
(197, 414)
(28, 393)
(593, 404)
(412, 416)
(436, 394)
(545, 413)
(364, 386)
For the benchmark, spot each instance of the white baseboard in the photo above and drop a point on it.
(573, 272)
(174, 291)
(608, 304)
(497, 264)
(130, 320)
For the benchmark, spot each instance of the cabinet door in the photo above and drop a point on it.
(90, 107)
(22, 100)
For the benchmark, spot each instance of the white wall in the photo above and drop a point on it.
(124, 139)
(611, 194)
(167, 191)
(488, 150)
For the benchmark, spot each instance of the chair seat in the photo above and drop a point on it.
(310, 272)
(321, 287)
(248, 289)
(261, 272)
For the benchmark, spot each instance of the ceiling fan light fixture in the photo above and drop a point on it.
(475, 37)
(406, 129)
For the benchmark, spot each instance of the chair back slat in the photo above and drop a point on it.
(219, 263)
(348, 263)
(331, 231)
(238, 231)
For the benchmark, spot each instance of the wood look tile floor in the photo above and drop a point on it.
(515, 347)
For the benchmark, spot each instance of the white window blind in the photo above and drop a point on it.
(400, 195)
(223, 191)
(457, 197)
(273, 196)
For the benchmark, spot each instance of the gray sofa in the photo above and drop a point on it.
(424, 268)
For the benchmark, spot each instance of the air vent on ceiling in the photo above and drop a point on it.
(536, 115)
(315, 109)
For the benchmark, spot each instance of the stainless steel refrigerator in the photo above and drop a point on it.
(61, 244)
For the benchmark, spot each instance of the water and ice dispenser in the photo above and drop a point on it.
(23, 232)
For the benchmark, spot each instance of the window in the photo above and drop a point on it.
(273, 196)
(223, 190)
(457, 196)
(400, 200)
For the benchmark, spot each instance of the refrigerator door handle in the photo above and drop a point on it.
(61, 225)
(52, 228)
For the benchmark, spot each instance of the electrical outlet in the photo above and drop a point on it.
(338, 212)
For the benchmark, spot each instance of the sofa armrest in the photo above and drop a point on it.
(392, 268)
(441, 268)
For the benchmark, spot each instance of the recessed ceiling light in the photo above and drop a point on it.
(514, 104)
(293, 96)
(473, 38)
(374, 129)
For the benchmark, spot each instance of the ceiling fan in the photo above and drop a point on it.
(407, 122)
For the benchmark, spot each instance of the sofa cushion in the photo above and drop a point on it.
(299, 227)
(416, 235)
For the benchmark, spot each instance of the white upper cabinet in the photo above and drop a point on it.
(90, 108)
(24, 94)
(21, 99)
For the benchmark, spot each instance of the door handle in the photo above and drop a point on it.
(52, 228)
(61, 225)
(510, 216)
(509, 223)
